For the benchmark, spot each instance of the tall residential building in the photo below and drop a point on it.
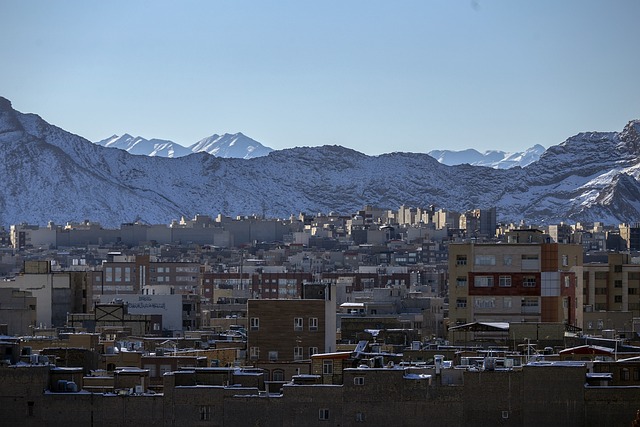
(488, 222)
(630, 233)
(614, 286)
(535, 282)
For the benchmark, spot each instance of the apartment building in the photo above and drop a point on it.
(611, 289)
(166, 278)
(535, 282)
(280, 285)
(612, 286)
(287, 330)
(630, 234)
(25, 235)
(139, 275)
(120, 274)
(56, 293)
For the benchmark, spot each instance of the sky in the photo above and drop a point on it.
(374, 76)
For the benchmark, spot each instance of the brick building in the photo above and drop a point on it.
(292, 330)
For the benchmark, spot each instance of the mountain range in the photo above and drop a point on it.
(493, 158)
(51, 174)
(228, 145)
(242, 147)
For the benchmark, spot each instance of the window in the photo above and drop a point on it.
(461, 260)
(483, 281)
(461, 281)
(529, 302)
(273, 356)
(530, 262)
(461, 303)
(118, 274)
(485, 302)
(255, 323)
(298, 324)
(617, 298)
(506, 302)
(323, 414)
(278, 375)
(152, 369)
(505, 281)
(485, 260)
(313, 323)
(507, 260)
(617, 268)
(187, 270)
(30, 405)
(360, 417)
(254, 353)
(205, 413)
(108, 274)
(565, 260)
(617, 283)
(297, 353)
(358, 380)
(529, 281)
(633, 291)
(312, 351)
(164, 369)
(327, 367)
(624, 374)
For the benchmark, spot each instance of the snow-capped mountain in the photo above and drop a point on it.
(145, 147)
(50, 174)
(235, 145)
(493, 159)
(228, 146)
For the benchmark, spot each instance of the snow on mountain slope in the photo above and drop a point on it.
(147, 147)
(231, 145)
(493, 159)
(50, 174)
(227, 146)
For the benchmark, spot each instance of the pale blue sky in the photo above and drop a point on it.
(375, 76)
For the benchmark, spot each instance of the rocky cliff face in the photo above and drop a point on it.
(50, 174)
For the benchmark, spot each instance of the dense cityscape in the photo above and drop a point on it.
(371, 318)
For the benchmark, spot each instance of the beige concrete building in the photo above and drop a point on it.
(611, 294)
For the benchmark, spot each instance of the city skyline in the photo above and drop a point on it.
(368, 76)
